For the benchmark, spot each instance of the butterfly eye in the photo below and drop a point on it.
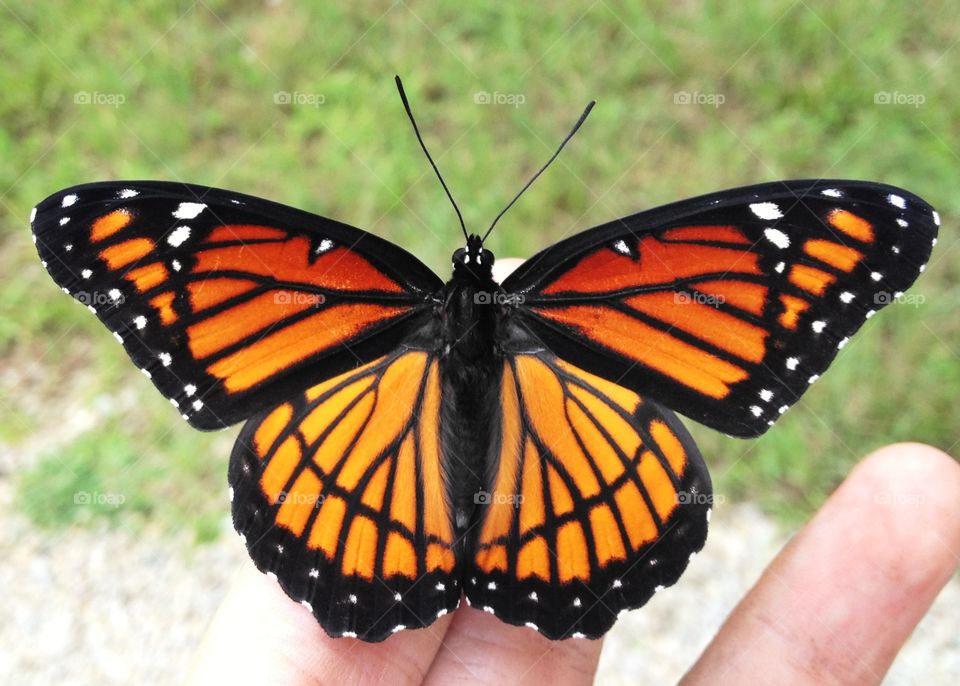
(459, 255)
(487, 258)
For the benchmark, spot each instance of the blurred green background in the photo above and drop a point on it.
(297, 103)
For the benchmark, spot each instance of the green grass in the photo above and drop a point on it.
(198, 83)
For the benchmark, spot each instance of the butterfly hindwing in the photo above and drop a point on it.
(599, 500)
(727, 307)
(223, 299)
(340, 494)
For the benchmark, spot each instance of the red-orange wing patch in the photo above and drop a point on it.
(727, 307)
(341, 495)
(224, 300)
(598, 501)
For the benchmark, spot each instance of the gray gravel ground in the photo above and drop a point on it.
(108, 607)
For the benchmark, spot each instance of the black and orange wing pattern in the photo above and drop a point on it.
(727, 307)
(223, 299)
(599, 500)
(340, 494)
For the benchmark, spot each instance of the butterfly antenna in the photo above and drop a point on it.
(583, 118)
(416, 130)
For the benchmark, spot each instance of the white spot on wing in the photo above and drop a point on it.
(68, 200)
(936, 218)
(846, 296)
(818, 326)
(33, 215)
(197, 405)
(902, 222)
(492, 585)
(114, 294)
(831, 192)
(86, 273)
(756, 410)
(766, 395)
(64, 221)
(777, 237)
(188, 210)
(178, 236)
(813, 379)
(792, 363)
(118, 337)
(128, 193)
(325, 245)
(766, 210)
(621, 247)
(140, 322)
(176, 265)
(165, 359)
(780, 267)
(896, 201)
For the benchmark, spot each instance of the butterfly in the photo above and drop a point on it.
(409, 441)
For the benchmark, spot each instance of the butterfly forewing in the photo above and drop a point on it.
(222, 299)
(727, 307)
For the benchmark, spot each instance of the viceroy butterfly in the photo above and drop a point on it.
(410, 441)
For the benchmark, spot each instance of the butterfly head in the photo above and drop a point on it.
(473, 261)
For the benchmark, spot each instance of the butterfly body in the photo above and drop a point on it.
(410, 442)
